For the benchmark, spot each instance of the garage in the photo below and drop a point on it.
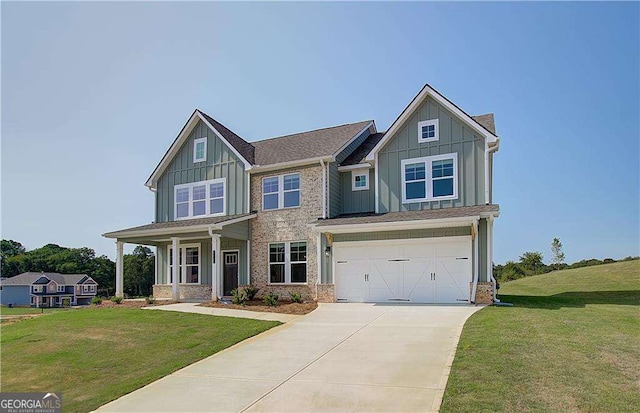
(426, 270)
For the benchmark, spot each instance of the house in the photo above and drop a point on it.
(47, 289)
(345, 213)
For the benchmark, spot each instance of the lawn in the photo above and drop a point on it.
(570, 343)
(27, 310)
(96, 355)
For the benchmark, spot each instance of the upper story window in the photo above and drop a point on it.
(360, 180)
(37, 288)
(288, 262)
(200, 199)
(200, 150)
(281, 192)
(60, 289)
(428, 131)
(430, 178)
(88, 288)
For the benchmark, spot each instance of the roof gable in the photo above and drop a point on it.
(426, 91)
(241, 148)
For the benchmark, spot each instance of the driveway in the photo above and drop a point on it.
(341, 357)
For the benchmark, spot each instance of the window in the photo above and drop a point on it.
(37, 288)
(60, 289)
(200, 199)
(200, 150)
(288, 262)
(360, 180)
(88, 288)
(188, 264)
(281, 192)
(430, 179)
(428, 131)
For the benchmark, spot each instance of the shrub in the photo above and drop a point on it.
(150, 299)
(510, 271)
(238, 296)
(116, 300)
(96, 300)
(296, 297)
(66, 302)
(251, 291)
(271, 299)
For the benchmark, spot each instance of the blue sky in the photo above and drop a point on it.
(94, 93)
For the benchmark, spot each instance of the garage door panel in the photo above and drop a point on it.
(351, 286)
(416, 281)
(452, 280)
(452, 249)
(384, 279)
(351, 253)
(419, 251)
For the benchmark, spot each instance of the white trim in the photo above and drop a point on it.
(396, 225)
(195, 152)
(248, 262)
(287, 262)
(431, 122)
(356, 173)
(354, 167)
(182, 266)
(179, 141)
(343, 244)
(413, 105)
(428, 161)
(320, 257)
(119, 268)
(350, 141)
(291, 164)
(324, 189)
(476, 265)
(376, 185)
(207, 199)
(328, 189)
(281, 191)
(487, 173)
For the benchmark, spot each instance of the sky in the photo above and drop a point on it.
(93, 94)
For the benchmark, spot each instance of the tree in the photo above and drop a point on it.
(532, 263)
(556, 252)
(139, 271)
(509, 271)
(9, 248)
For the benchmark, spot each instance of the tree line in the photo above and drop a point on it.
(139, 266)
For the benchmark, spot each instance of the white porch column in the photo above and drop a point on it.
(175, 273)
(119, 268)
(216, 273)
(248, 262)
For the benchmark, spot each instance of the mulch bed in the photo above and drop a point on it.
(283, 307)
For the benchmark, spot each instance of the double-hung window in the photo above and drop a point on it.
(281, 192)
(428, 131)
(200, 150)
(288, 262)
(60, 288)
(430, 178)
(188, 264)
(200, 199)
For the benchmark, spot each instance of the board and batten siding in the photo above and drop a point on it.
(335, 185)
(221, 162)
(357, 201)
(455, 137)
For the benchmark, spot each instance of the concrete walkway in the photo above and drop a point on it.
(341, 357)
(225, 312)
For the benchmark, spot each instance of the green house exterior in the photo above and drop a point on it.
(346, 213)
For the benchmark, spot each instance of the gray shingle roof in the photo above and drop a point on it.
(28, 278)
(486, 121)
(424, 214)
(174, 224)
(312, 144)
(243, 147)
(358, 156)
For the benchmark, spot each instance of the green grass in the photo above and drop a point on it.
(27, 310)
(570, 343)
(96, 355)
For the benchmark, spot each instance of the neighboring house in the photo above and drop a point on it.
(47, 289)
(345, 213)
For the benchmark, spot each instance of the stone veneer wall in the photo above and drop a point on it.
(186, 291)
(484, 293)
(286, 225)
(325, 293)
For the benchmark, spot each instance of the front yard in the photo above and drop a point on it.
(570, 343)
(95, 355)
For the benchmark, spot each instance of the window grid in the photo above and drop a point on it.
(360, 180)
(428, 130)
(280, 192)
(200, 199)
(288, 262)
(430, 178)
(188, 265)
(200, 150)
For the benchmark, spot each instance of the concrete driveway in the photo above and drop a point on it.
(341, 357)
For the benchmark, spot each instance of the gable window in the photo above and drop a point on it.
(360, 180)
(428, 131)
(288, 262)
(88, 288)
(37, 288)
(188, 264)
(200, 199)
(430, 178)
(60, 289)
(281, 192)
(199, 150)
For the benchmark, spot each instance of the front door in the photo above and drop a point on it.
(230, 271)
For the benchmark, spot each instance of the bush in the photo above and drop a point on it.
(510, 271)
(116, 300)
(296, 297)
(271, 299)
(239, 296)
(96, 300)
(251, 291)
(150, 299)
(66, 302)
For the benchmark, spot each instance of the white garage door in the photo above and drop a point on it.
(435, 270)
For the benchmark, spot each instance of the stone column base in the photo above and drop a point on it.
(325, 293)
(484, 293)
(186, 291)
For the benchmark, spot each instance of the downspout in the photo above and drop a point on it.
(487, 182)
(324, 189)
(490, 256)
(476, 263)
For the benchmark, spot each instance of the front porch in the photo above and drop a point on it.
(213, 256)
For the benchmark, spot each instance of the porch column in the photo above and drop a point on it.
(119, 268)
(175, 274)
(248, 262)
(215, 265)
